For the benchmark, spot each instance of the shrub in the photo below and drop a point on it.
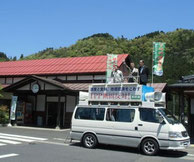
(4, 114)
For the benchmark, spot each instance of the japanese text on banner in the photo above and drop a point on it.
(111, 61)
(158, 58)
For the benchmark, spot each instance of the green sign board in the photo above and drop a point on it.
(135, 97)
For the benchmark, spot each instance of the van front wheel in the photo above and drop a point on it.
(149, 147)
(89, 140)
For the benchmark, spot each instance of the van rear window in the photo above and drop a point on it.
(90, 113)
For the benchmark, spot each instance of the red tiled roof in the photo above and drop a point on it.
(158, 87)
(71, 65)
(77, 86)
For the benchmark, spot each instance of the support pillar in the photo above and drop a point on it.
(58, 111)
(34, 112)
(181, 106)
(174, 104)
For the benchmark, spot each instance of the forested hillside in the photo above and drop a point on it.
(179, 58)
(3, 57)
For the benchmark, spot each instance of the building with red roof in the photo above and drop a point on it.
(48, 89)
(57, 66)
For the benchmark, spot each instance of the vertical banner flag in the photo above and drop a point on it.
(111, 61)
(13, 107)
(158, 57)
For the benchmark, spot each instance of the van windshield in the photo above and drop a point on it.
(169, 116)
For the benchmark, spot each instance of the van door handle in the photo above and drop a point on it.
(140, 124)
(136, 128)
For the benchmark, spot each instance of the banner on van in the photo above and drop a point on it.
(115, 93)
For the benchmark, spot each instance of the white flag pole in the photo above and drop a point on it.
(153, 64)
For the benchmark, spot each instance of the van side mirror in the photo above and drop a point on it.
(161, 120)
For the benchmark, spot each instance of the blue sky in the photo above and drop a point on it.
(28, 26)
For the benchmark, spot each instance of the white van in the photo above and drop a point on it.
(150, 128)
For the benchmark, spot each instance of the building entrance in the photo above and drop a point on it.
(52, 111)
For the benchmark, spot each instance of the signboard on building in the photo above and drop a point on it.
(115, 92)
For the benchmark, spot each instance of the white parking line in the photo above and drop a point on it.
(8, 155)
(191, 155)
(36, 128)
(2, 144)
(17, 139)
(10, 142)
(59, 139)
(27, 137)
(54, 143)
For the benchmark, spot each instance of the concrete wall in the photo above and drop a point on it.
(40, 103)
(55, 99)
(71, 103)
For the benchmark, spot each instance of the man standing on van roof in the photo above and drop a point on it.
(117, 75)
(143, 72)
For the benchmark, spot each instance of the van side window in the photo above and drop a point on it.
(148, 115)
(90, 113)
(120, 115)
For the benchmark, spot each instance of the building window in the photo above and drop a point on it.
(2, 80)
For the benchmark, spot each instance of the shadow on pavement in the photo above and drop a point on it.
(171, 153)
(162, 153)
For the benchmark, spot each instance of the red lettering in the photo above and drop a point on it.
(91, 95)
(160, 57)
(161, 53)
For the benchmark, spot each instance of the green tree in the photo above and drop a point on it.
(3, 57)
(179, 48)
(22, 56)
(14, 58)
(4, 112)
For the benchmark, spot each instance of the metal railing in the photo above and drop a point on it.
(125, 79)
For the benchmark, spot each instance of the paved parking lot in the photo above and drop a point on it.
(31, 144)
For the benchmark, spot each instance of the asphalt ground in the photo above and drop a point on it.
(48, 132)
(57, 147)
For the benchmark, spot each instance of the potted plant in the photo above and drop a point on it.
(4, 115)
